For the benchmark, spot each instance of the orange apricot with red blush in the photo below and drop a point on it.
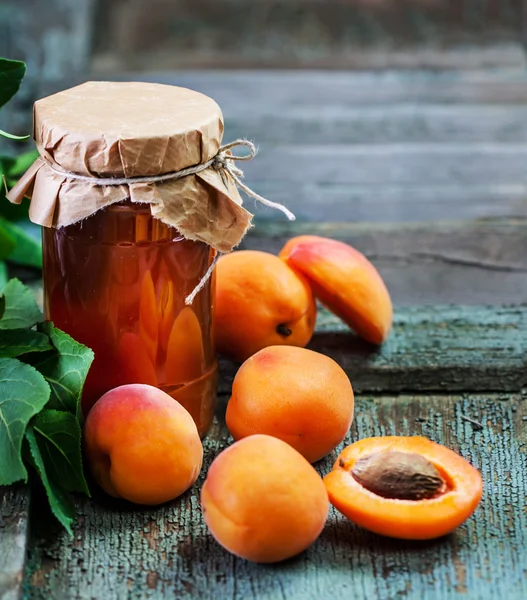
(263, 501)
(404, 487)
(142, 445)
(345, 281)
(298, 395)
(259, 302)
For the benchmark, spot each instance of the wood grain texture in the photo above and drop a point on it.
(479, 263)
(437, 348)
(315, 201)
(390, 146)
(289, 89)
(122, 552)
(339, 123)
(393, 164)
(300, 33)
(14, 518)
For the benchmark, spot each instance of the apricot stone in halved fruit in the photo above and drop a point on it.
(404, 487)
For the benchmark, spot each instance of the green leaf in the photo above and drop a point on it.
(3, 280)
(11, 74)
(27, 250)
(23, 393)
(65, 368)
(10, 136)
(21, 308)
(59, 501)
(2, 302)
(21, 163)
(14, 342)
(58, 436)
(14, 212)
(7, 241)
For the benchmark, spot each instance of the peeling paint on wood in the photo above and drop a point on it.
(440, 348)
(14, 509)
(122, 552)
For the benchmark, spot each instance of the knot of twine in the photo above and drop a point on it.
(223, 162)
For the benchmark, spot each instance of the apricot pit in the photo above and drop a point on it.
(404, 487)
(402, 475)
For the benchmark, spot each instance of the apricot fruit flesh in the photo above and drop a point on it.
(345, 281)
(263, 501)
(300, 396)
(404, 487)
(142, 445)
(260, 302)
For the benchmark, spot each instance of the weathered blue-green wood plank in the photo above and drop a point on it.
(431, 348)
(122, 552)
(14, 509)
(476, 262)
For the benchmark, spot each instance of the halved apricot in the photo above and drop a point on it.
(148, 318)
(345, 281)
(185, 355)
(404, 487)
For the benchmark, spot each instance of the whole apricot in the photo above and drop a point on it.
(345, 281)
(263, 501)
(260, 302)
(300, 396)
(142, 445)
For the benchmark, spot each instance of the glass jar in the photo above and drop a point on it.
(117, 282)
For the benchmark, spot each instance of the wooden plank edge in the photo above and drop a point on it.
(431, 349)
(14, 530)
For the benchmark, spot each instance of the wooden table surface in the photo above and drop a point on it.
(426, 173)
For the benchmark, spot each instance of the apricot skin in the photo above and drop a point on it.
(260, 302)
(300, 396)
(142, 445)
(345, 281)
(263, 501)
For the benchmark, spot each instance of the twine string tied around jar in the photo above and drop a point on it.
(223, 162)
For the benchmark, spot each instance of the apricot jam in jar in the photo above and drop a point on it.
(117, 282)
(129, 233)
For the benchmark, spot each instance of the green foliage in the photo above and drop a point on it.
(42, 370)
(65, 369)
(20, 308)
(59, 501)
(23, 393)
(58, 436)
(42, 373)
(16, 246)
(11, 75)
(15, 342)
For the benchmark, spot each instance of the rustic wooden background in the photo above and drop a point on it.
(63, 38)
(411, 145)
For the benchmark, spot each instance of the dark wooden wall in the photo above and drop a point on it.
(304, 33)
(65, 39)
(54, 38)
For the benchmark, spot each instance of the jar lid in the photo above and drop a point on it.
(133, 130)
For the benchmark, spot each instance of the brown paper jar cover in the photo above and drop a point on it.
(108, 129)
